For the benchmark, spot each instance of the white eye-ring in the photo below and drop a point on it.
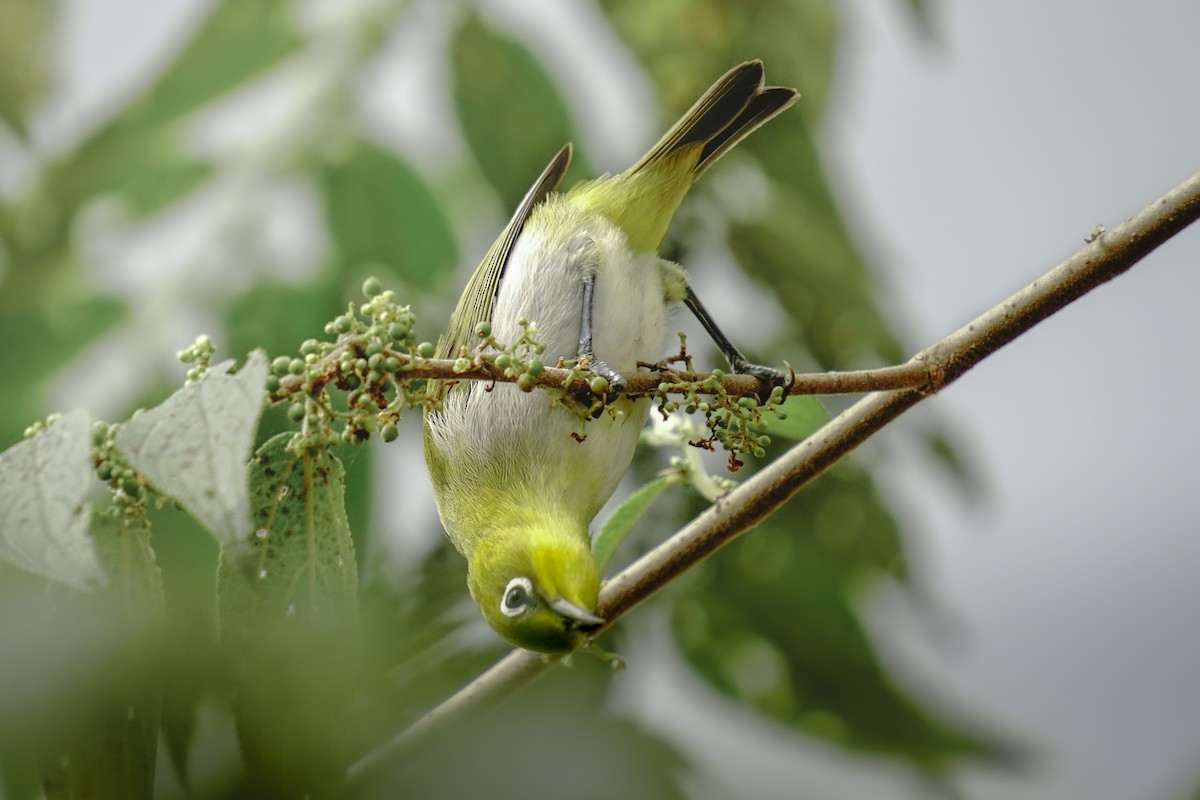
(518, 596)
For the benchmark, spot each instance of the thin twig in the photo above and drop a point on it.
(908, 375)
(1101, 260)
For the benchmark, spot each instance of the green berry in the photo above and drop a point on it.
(534, 368)
(759, 452)
(353, 381)
(131, 487)
(372, 287)
(374, 376)
(483, 329)
(525, 382)
(105, 470)
(503, 361)
(272, 383)
(462, 364)
(664, 387)
(375, 360)
(309, 347)
(391, 364)
(426, 349)
(364, 400)
(296, 412)
(280, 365)
(374, 347)
(342, 324)
(348, 436)
(398, 330)
(764, 440)
(389, 432)
(598, 384)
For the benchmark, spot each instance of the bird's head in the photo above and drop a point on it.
(538, 591)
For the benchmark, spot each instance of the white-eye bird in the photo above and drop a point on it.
(515, 491)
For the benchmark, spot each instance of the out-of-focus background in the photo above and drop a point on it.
(1005, 606)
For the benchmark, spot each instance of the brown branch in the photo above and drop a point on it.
(1101, 260)
(910, 375)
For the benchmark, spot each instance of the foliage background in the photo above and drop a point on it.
(255, 219)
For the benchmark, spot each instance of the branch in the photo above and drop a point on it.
(1102, 259)
(638, 384)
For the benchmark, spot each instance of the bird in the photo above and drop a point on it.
(516, 485)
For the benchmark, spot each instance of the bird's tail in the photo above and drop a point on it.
(643, 198)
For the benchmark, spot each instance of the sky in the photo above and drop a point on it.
(1062, 602)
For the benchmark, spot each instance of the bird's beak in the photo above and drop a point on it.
(582, 619)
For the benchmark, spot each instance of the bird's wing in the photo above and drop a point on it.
(479, 298)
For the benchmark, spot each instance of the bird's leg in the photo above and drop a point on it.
(737, 361)
(587, 357)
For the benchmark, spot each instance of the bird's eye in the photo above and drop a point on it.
(517, 596)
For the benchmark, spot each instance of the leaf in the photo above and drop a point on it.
(771, 622)
(805, 415)
(686, 44)
(287, 599)
(63, 328)
(194, 445)
(621, 521)
(111, 747)
(545, 742)
(511, 111)
(380, 212)
(24, 56)
(44, 509)
(236, 42)
(160, 180)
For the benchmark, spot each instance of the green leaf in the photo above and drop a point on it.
(381, 214)
(159, 181)
(44, 509)
(545, 742)
(621, 521)
(511, 111)
(25, 26)
(110, 750)
(194, 445)
(771, 621)
(685, 45)
(287, 599)
(63, 329)
(236, 42)
(805, 415)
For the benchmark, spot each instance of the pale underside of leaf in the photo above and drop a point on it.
(44, 510)
(194, 445)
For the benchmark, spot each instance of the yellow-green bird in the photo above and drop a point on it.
(515, 491)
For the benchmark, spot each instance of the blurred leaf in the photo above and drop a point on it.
(511, 111)
(111, 748)
(64, 319)
(621, 521)
(288, 608)
(236, 41)
(417, 646)
(161, 181)
(805, 415)
(187, 556)
(770, 623)
(381, 214)
(685, 45)
(552, 740)
(25, 26)
(277, 316)
(194, 445)
(44, 508)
